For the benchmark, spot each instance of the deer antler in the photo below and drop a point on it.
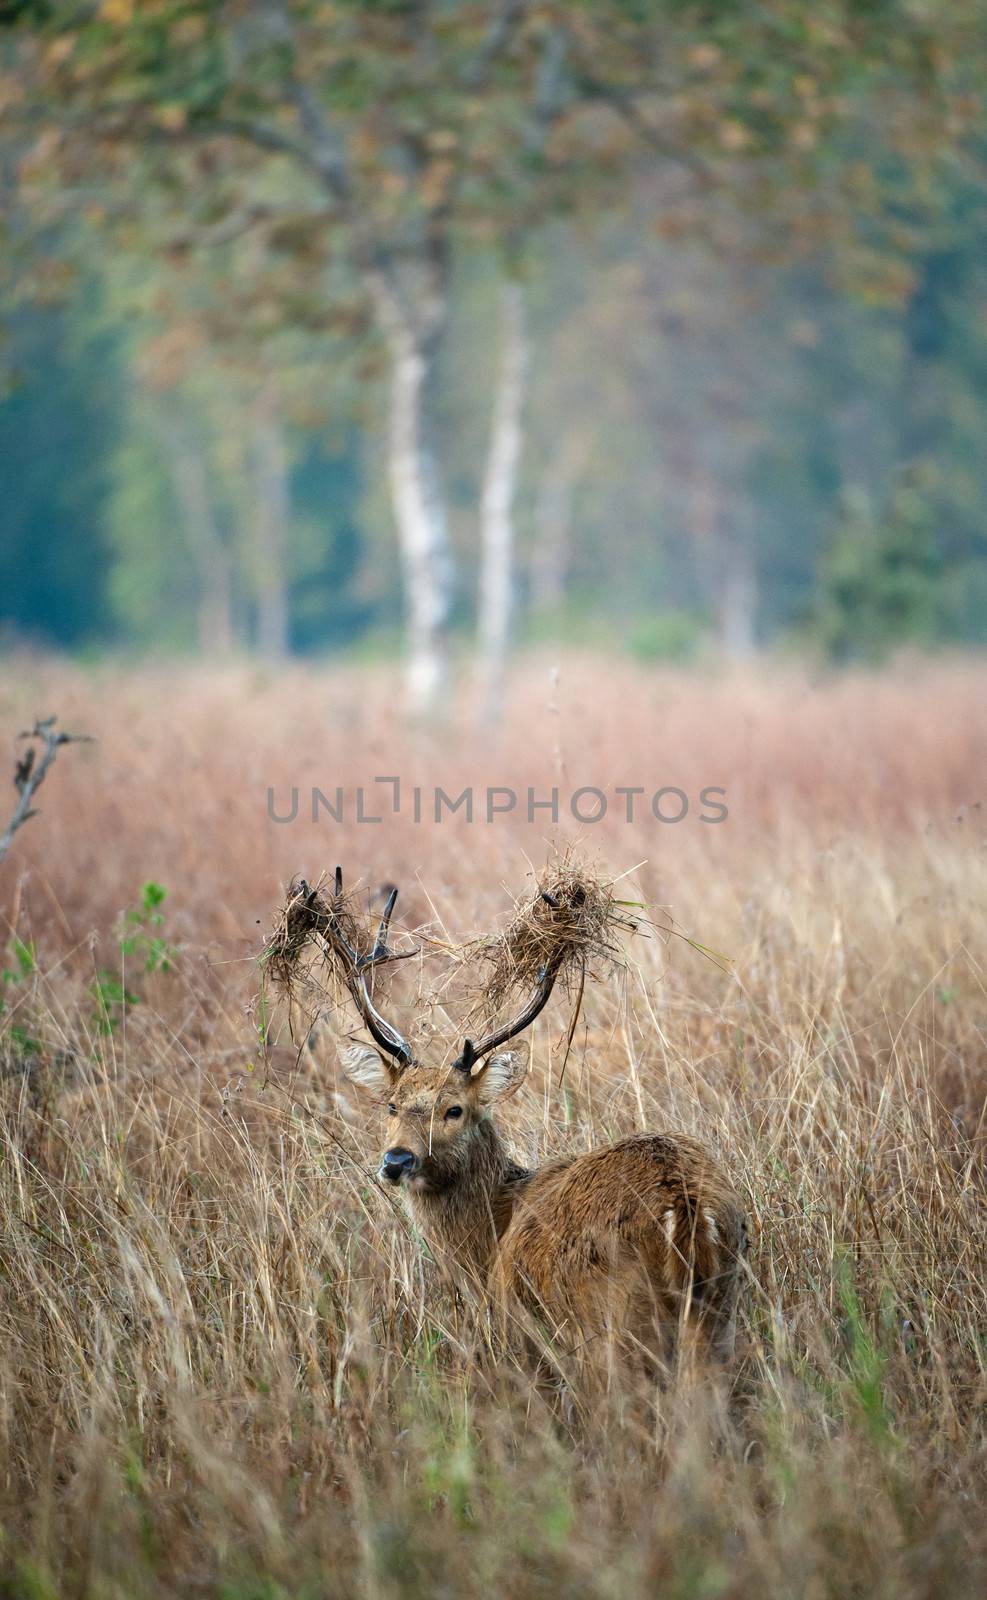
(355, 967)
(544, 984)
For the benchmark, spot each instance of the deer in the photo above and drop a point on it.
(641, 1240)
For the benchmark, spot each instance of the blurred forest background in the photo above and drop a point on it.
(346, 327)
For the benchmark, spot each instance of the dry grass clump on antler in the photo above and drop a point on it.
(307, 913)
(571, 921)
(328, 924)
(570, 925)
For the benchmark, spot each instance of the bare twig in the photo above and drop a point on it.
(30, 772)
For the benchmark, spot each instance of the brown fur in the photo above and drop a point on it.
(633, 1241)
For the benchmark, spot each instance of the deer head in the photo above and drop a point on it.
(436, 1110)
(435, 1113)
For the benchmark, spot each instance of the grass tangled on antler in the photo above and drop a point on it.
(571, 921)
(306, 914)
(570, 924)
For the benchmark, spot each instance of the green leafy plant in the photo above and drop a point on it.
(111, 999)
(145, 938)
(12, 977)
(141, 936)
(25, 965)
(880, 579)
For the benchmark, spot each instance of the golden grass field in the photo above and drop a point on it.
(226, 1366)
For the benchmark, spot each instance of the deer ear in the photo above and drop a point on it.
(503, 1073)
(367, 1070)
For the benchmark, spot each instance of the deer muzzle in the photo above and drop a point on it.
(398, 1164)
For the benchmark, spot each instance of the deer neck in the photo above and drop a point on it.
(466, 1205)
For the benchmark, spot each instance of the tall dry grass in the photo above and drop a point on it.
(227, 1366)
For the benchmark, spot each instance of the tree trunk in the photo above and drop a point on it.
(416, 498)
(421, 519)
(726, 569)
(497, 501)
(210, 557)
(553, 525)
(271, 513)
(736, 612)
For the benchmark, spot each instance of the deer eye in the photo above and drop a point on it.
(454, 1111)
(392, 1110)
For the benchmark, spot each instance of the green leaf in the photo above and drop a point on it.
(25, 957)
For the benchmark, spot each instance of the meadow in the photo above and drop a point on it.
(227, 1366)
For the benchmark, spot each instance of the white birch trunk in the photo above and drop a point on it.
(419, 509)
(271, 513)
(497, 501)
